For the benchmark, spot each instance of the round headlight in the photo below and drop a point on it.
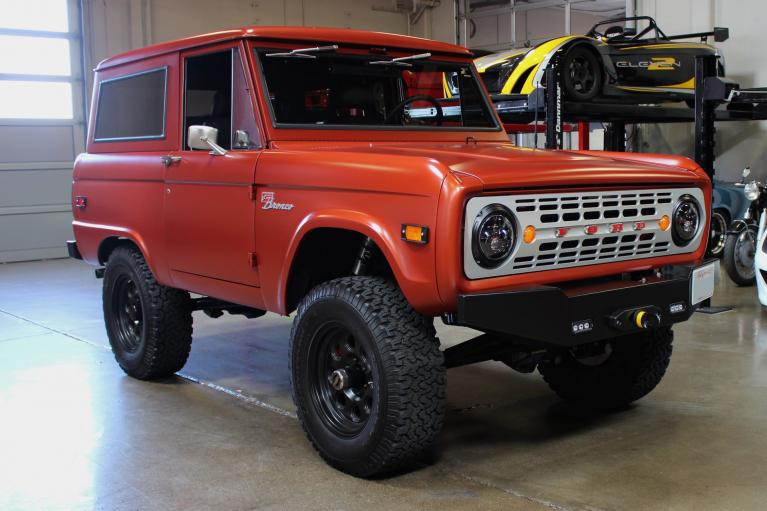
(493, 236)
(751, 191)
(686, 220)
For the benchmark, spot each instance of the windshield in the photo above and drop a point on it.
(313, 90)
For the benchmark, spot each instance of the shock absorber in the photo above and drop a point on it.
(364, 257)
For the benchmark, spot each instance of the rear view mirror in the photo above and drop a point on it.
(204, 137)
(721, 34)
(242, 140)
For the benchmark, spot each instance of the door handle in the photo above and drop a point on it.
(167, 161)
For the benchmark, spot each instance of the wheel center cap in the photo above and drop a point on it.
(339, 379)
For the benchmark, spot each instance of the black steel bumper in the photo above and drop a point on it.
(570, 316)
(73, 251)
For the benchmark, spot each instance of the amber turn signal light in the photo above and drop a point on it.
(415, 233)
(664, 223)
(528, 236)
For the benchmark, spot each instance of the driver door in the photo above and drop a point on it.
(209, 211)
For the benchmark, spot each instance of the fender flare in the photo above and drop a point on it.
(565, 44)
(110, 232)
(349, 220)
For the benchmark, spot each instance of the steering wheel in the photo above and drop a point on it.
(412, 99)
(614, 32)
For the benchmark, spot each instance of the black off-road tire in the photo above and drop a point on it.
(164, 338)
(633, 369)
(405, 366)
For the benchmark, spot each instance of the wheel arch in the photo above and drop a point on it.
(112, 242)
(348, 230)
(554, 49)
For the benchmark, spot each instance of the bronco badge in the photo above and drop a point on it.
(268, 202)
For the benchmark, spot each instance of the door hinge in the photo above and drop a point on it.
(253, 258)
(252, 192)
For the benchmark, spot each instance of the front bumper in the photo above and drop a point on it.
(571, 316)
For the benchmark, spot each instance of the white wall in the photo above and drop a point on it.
(740, 143)
(535, 25)
(114, 26)
(438, 23)
(119, 25)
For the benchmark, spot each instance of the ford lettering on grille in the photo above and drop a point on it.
(584, 228)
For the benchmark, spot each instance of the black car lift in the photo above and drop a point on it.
(711, 93)
(549, 105)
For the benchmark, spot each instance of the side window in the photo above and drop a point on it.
(132, 107)
(208, 95)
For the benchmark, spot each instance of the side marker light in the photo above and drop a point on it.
(415, 233)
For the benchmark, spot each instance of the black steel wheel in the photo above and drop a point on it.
(367, 375)
(718, 233)
(581, 74)
(127, 313)
(739, 253)
(149, 325)
(343, 379)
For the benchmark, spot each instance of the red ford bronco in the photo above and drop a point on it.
(330, 173)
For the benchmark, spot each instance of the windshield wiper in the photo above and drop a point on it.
(303, 53)
(401, 61)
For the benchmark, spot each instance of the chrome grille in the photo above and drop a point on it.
(575, 212)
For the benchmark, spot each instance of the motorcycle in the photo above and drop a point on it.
(740, 246)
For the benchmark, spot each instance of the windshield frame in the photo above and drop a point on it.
(256, 51)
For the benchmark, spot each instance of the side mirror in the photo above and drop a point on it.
(242, 139)
(204, 137)
(746, 172)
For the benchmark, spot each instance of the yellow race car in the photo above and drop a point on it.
(615, 64)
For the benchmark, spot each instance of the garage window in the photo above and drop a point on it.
(132, 107)
(36, 64)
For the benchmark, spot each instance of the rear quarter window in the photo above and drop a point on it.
(132, 107)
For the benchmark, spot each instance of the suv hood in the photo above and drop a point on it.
(502, 165)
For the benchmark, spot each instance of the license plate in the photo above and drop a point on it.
(702, 286)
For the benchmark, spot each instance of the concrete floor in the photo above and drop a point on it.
(76, 433)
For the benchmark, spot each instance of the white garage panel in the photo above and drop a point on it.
(42, 127)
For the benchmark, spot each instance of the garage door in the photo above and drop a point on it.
(42, 126)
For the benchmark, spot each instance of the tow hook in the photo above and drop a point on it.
(640, 318)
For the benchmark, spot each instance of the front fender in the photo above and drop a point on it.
(412, 265)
